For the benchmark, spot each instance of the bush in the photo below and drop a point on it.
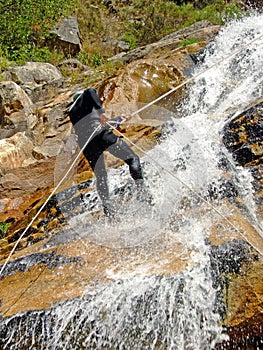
(129, 39)
(3, 229)
(24, 23)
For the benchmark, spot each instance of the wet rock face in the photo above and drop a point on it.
(47, 127)
(102, 302)
(243, 136)
(50, 260)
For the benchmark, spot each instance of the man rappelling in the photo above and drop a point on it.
(89, 121)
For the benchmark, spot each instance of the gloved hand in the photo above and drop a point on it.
(103, 119)
(117, 121)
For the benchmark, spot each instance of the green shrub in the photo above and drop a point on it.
(92, 59)
(24, 23)
(188, 42)
(4, 63)
(84, 57)
(97, 59)
(3, 229)
(129, 39)
(43, 54)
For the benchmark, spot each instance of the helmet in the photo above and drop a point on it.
(77, 94)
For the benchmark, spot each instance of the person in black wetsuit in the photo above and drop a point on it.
(87, 114)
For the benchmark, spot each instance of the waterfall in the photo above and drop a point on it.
(179, 311)
(221, 93)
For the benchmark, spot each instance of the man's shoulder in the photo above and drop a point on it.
(90, 89)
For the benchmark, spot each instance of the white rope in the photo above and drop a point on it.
(138, 111)
(51, 194)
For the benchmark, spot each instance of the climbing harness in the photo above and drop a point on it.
(132, 114)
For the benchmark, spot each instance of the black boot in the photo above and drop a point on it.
(109, 210)
(143, 195)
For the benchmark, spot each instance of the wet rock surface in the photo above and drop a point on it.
(243, 137)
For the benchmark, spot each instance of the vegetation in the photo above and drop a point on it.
(142, 22)
(26, 24)
(188, 42)
(3, 229)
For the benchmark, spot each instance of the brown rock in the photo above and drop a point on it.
(15, 152)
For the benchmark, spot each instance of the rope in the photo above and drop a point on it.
(51, 194)
(187, 186)
(138, 111)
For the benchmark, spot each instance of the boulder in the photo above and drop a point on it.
(15, 152)
(66, 37)
(35, 78)
(142, 81)
(17, 109)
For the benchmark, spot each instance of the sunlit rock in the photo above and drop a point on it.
(65, 37)
(16, 111)
(142, 81)
(36, 78)
(15, 152)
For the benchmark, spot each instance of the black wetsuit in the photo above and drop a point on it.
(85, 117)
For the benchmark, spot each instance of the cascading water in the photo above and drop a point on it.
(176, 311)
(224, 91)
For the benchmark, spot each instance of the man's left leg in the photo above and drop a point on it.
(121, 150)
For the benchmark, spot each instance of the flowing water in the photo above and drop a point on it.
(176, 311)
